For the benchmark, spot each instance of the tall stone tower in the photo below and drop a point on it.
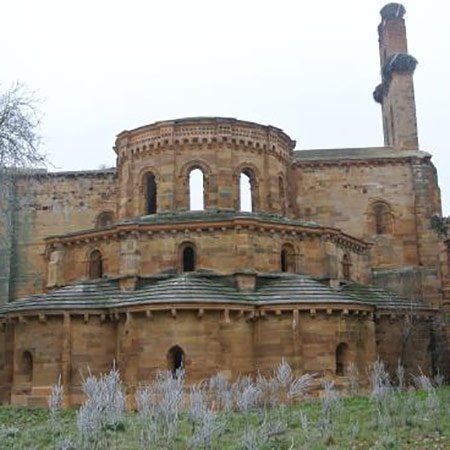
(396, 92)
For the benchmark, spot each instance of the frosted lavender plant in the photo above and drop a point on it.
(249, 398)
(270, 389)
(432, 403)
(300, 386)
(104, 407)
(197, 403)
(208, 427)
(145, 405)
(353, 377)
(251, 440)
(423, 382)
(438, 379)
(283, 374)
(55, 401)
(169, 390)
(331, 405)
(400, 372)
(219, 390)
(380, 383)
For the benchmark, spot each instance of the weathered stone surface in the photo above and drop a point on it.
(338, 253)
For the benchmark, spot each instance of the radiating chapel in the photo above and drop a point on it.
(216, 246)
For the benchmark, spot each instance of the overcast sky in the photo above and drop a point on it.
(308, 67)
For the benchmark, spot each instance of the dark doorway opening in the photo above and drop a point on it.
(175, 357)
(341, 359)
(188, 259)
(151, 194)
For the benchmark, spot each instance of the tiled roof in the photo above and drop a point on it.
(205, 288)
(380, 297)
(217, 215)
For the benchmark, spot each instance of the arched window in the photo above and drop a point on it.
(188, 258)
(176, 360)
(196, 190)
(151, 193)
(104, 219)
(287, 259)
(95, 265)
(247, 191)
(282, 194)
(26, 366)
(346, 266)
(342, 361)
(382, 218)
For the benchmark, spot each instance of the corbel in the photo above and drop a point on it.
(173, 312)
(200, 313)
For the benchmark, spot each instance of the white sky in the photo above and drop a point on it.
(308, 67)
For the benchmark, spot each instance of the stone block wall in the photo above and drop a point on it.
(225, 248)
(54, 204)
(221, 148)
(340, 194)
(406, 338)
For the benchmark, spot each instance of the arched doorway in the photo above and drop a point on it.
(188, 257)
(26, 366)
(176, 360)
(341, 359)
(95, 265)
(287, 258)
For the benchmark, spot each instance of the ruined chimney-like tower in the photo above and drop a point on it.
(396, 92)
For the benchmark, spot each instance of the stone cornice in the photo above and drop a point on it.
(362, 162)
(201, 131)
(243, 310)
(120, 231)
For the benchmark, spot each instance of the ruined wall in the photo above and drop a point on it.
(4, 367)
(341, 193)
(405, 338)
(7, 197)
(54, 204)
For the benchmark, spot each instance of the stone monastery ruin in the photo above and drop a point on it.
(334, 263)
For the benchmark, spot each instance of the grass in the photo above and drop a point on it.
(354, 425)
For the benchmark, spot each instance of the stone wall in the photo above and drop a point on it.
(407, 339)
(221, 148)
(223, 247)
(54, 204)
(340, 193)
(231, 340)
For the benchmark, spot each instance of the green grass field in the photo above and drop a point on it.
(355, 424)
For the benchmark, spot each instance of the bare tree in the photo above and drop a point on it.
(19, 152)
(19, 124)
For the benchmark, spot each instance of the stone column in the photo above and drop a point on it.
(66, 357)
